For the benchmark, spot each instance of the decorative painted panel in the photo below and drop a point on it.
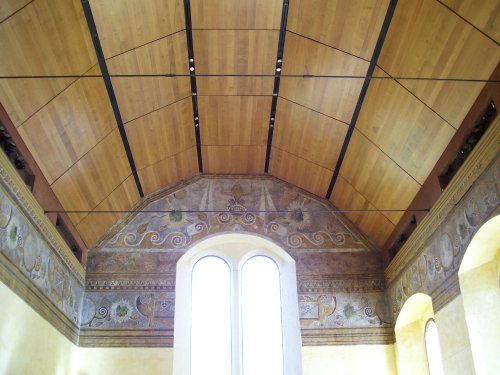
(131, 272)
(434, 270)
(32, 261)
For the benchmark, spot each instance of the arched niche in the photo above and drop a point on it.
(479, 284)
(410, 334)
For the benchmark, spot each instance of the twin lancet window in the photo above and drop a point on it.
(236, 309)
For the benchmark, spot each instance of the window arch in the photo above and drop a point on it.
(478, 277)
(433, 348)
(410, 334)
(243, 255)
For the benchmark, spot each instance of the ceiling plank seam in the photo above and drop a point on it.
(277, 77)
(111, 93)
(192, 75)
(364, 89)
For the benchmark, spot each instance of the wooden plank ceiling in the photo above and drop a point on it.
(403, 126)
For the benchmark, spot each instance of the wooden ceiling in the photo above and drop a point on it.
(403, 126)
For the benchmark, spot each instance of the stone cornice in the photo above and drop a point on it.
(35, 215)
(482, 155)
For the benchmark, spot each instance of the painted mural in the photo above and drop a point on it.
(138, 258)
(435, 270)
(23, 246)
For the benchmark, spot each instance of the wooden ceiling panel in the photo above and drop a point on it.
(351, 26)
(235, 51)
(9, 7)
(299, 172)
(43, 38)
(126, 24)
(404, 128)
(69, 126)
(335, 97)
(377, 178)
(169, 171)
(308, 134)
(484, 14)
(374, 225)
(234, 85)
(94, 225)
(234, 159)
(88, 182)
(234, 120)
(236, 14)
(428, 40)
(138, 96)
(162, 133)
(167, 55)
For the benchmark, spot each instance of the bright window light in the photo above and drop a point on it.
(211, 318)
(261, 318)
(433, 348)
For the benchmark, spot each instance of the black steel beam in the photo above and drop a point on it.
(111, 92)
(277, 78)
(364, 89)
(192, 75)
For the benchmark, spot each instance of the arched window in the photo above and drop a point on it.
(261, 317)
(236, 309)
(211, 317)
(433, 348)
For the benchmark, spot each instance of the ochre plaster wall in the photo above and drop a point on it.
(410, 347)
(481, 301)
(28, 343)
(123, 361)
(454, 338)
(349, 359)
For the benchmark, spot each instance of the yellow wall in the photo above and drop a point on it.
(410, 331)
(28, 343)
(123, 361)
(454, 338)
(478, 275)
(349, 359)
(481, 301)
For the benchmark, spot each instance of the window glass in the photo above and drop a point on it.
(433, 348)
(211, 318)
(261, 317)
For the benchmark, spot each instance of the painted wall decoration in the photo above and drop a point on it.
(435, 270)
(138, 258)
(24, 247)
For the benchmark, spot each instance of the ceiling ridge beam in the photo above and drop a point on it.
(192, 77)
(277, 77)
(373, 64)
(111, 93)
